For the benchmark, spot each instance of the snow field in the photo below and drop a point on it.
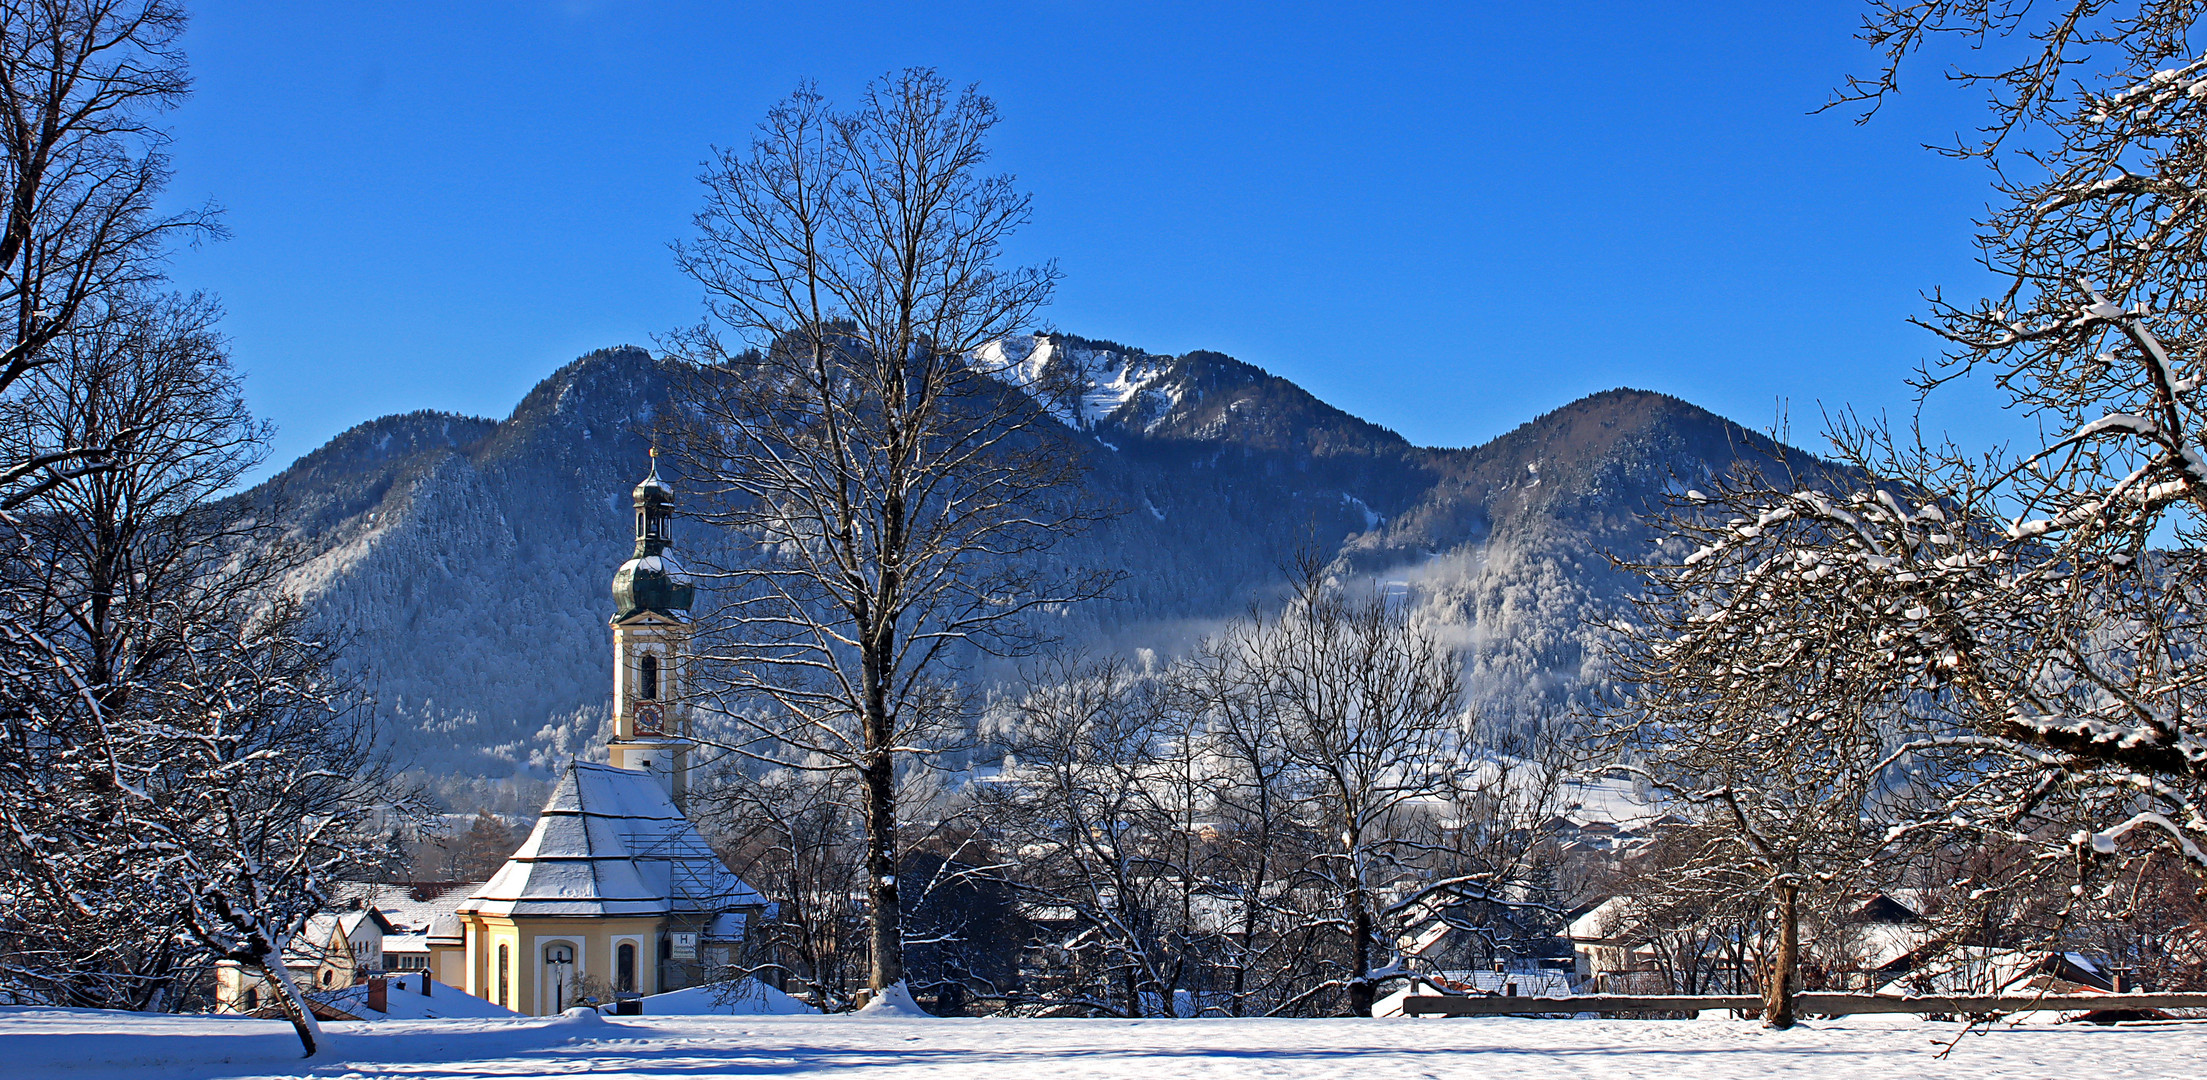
(84, 1044)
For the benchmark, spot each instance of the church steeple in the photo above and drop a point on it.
(654, 511)
(651, 580)
(651, 625)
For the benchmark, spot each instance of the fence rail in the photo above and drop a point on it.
(1805, 1004)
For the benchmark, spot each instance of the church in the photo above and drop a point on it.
(615, 894)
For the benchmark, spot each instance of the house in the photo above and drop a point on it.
(319, 957)
(1980, 971)
(423, 933)
(1504, 981)
(365, 929)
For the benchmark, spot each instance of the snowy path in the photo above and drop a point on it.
(88, 1045)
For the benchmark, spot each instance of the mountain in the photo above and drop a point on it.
(467, 560)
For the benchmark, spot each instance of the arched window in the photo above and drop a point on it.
(624, 967)
(505, 970)
(252, 999)
(648, 685)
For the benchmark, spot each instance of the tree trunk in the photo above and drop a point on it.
(1360, 982)
(885, 938)
(294, 1004)
(1778, 989)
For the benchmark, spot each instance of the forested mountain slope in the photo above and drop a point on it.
(468, 560)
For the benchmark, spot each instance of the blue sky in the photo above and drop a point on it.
(1444, 218)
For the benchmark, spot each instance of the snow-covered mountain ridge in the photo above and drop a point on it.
(467, 560)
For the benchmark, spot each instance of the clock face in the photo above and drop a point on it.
(650, 717)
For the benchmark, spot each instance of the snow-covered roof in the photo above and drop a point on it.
(404, 1000)
(1601, 922)
(366, 922)
(1526, 984)
(446, 929)
(321, 938)
(2000, 971)
(411, 906)
(610, 842)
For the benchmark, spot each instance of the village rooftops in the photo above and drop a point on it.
(410, 906)
(611, 842)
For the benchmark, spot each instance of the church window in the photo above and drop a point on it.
(626, 967)
(252, 999)
(504, 970)
(648, 685)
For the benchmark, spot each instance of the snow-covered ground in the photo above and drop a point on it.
(84, 1044)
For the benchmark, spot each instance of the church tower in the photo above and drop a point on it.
(651, 627)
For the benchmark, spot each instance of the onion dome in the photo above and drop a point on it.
(651, 579)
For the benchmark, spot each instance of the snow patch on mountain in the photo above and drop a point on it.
(1084, 386)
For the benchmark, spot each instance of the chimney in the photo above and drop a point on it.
(379, 994)
(425, 981)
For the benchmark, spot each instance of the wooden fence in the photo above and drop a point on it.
(1803, 1004)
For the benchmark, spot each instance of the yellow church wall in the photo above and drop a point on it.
(530, 984)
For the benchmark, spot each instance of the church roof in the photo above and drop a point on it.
(652, 582)
(610, 842)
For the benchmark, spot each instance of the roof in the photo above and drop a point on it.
(610, 842)
(446, 929)
(2000, 971)
(409, 906)
(322, 937)
(353, 921)
(1601, 923)
(404, 1000)
(652, 581)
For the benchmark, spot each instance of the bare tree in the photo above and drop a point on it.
(796, 835)
(1765, 694)
(1985, 659)
(259, 785)
(1263, 841)
(1259, 828)
(1096, 812)
(1371, 711)
(99, 556)
(891, 500)
(2094, 136)
(81, 83)
(198, 772)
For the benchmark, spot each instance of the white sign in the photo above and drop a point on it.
(685, 946)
